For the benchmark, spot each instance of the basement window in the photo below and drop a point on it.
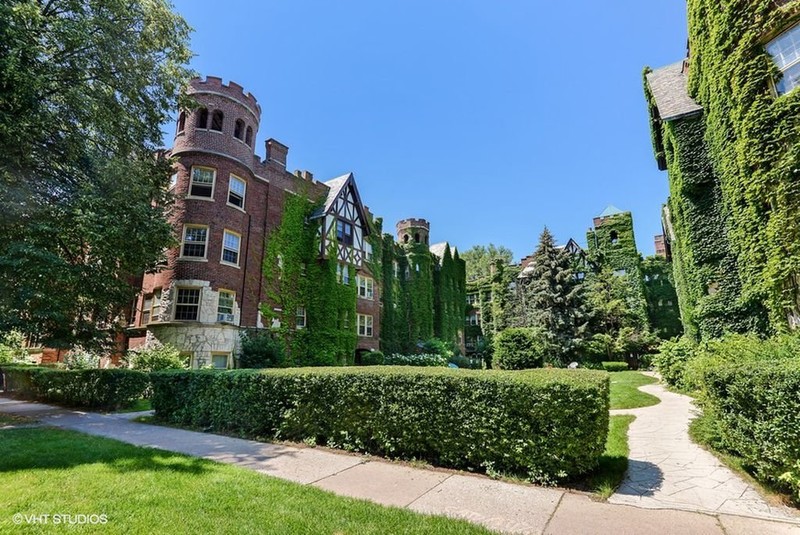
(785, 52)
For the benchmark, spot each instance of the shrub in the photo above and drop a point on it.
(373, 358)
(156, 356)
(756, 409)
(261, 350)
(422, 359)
(672, 360)
(434, 346)
(12, 348)
(466, 362)
(519, 349)
(541, 424)
(107, 389)
(81, 359)
(615, 366)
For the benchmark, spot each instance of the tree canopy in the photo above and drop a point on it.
(479, 259)
(84, 89)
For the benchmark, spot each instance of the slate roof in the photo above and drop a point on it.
(669, 87)
(610, 210)
(335, 186)
(438, 249)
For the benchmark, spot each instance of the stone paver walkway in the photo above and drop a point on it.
(500, 506)
(667, 470)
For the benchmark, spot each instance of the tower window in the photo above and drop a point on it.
(202, 118)
(202, 182)
(236, 191)
(230, 248)
(194, 241)
(238, 129)
(225, 304)
(216, 120)
(405, 238)
(416, 237)
(181, 121)
(187, 304)
(614, 237)
(248, 137)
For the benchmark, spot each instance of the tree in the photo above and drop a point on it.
(479, 259)
(552, 299)
(84, 90)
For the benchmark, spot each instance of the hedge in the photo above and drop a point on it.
(615, 366)
(756, 406)
(541, 424)
(519, 348)
(106, 389)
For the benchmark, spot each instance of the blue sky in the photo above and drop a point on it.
(489, 119)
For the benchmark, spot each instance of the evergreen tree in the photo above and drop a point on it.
(552, 299)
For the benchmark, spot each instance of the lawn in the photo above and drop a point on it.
(146, 490)
(140, 405)
(605, 480)
(625, 393)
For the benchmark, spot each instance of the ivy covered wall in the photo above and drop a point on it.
(662, 300)
(450, 295)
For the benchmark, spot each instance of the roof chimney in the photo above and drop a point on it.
(277, 152)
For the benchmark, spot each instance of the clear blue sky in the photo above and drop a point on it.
(489, 119)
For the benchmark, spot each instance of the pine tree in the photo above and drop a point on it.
(552, 299)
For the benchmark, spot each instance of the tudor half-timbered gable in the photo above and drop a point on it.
(344, 223)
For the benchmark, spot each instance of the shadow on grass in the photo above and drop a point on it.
(46, 448)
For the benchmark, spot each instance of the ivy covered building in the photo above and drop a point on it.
(262, 248)
(724, 127)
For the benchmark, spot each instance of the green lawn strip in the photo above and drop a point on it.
(11, 419)
(614, 461)
(146, 490)
(140, 405)
(625, 393)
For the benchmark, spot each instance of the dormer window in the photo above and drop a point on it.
(785, 52)
(216, 120)
(344, 232)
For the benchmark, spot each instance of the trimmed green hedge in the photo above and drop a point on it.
(615, 366)
(106, 389)
(519, 348)
(542, 424)
(756, 406)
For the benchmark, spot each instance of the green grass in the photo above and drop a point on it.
(614, 461)
(11, 419)
(146, 490)
(140, 405)
(625, 393)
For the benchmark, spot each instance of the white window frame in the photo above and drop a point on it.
(365, 325)
(301, 313)
(155, 307)
(173, 181)
(366, 287)
(184, 242)
(789, 66)
(231, 180)
(213, 183)
(238, 236)
(225, 354)
(226, 317)
(343, 273)
(178, 303)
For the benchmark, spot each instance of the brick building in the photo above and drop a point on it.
(227, 201)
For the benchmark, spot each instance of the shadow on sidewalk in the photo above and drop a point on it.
(642, 479)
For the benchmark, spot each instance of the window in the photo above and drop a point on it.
(217, 119)
(405, 238)
(194, 241)
(344, 232)
(368, 250)
(343, 273)
(366, 287)
(248, 138)
(202, 182)
(225, 305)
(614, 237)
(230, 247)
(238, 129)
(364, 325)
(202, 118)
(155, 310)
(236, 191)
(300, 318)
(620, 272)
(219, 361)
(785, 51)
(187, 358)
(181, 121)
(472, 319)
(146, 306)
(173, 180)
(472, 299)
(396, 267)
(187, 304)
(416, 237)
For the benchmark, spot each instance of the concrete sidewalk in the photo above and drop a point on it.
(501, 506)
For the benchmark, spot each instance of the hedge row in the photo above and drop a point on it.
(106, 389)
(756, 408)
(541, 424)
(615, 366)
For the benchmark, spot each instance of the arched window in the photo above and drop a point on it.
(248, 138)
(614, 237)
(416, 237)
(216, 120)
(238, 129)
(181, 121)
(202, 118)
(405, 238)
